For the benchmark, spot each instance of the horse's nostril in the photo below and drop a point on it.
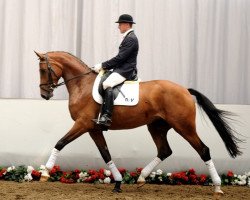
(44, 96)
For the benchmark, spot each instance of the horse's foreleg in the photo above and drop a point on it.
(158, 130)
(101, 144)
(77, 130)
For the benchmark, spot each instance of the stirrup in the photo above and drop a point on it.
(102, 126)
(96, 121)
(105, 120)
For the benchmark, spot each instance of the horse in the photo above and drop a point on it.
(167, 105)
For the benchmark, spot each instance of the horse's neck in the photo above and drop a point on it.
(73, 68)
(82, 85)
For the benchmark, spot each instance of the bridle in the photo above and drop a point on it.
(51, 84)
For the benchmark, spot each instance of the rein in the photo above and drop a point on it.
(75, 77)
(51, 83)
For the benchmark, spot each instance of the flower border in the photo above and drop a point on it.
(189, 177)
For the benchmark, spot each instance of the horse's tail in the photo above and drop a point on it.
(218, 118)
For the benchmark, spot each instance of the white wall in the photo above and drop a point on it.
(199, 44)
(29, 129)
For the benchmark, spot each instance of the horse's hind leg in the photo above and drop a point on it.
(158, 130)
(101, 144)
(189, 133)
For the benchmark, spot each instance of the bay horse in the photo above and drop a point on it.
(162, 105)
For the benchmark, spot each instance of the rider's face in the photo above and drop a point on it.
(123, 27)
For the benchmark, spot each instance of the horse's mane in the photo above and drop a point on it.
(78, 59)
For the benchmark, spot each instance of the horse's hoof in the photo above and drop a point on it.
(44, 178)
(117, 190)
(141, 181)
(218, 195)
(140, 184)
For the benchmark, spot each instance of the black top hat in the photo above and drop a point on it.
(125, 18)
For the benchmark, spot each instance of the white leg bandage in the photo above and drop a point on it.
(113, 80)
(52, 159)
(116, 174)
(213, 173)
(149, 168)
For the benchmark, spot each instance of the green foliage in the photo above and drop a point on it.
(128, 178)
(16, 174)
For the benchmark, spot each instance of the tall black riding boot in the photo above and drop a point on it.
(107, 108)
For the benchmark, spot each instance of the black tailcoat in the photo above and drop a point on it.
(125, 61)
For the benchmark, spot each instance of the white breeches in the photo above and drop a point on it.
(113, 80)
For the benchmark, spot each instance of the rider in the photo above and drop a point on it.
(122, 66)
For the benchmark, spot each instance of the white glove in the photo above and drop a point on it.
(97, 68)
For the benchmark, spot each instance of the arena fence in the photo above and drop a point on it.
(29, 130)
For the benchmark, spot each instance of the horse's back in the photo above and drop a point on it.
(165, 87)
(173, 99)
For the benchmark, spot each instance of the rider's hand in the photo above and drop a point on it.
(97, 68)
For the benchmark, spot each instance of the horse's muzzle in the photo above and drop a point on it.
(47, 96)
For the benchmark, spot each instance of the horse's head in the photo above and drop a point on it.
(50, 73)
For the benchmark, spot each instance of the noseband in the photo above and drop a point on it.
(51, 84)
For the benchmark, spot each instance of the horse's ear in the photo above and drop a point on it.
(40, 55)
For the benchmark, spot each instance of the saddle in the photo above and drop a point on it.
(126, 93)
(117, 88)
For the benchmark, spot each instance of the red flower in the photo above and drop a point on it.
(185, 178)
(65, 173)
(101, 176)
(55, 169)
(111, 177)
(174, 175)
(203, 178)
(133, 174)
(88, 180)
(65, 180)
(36, 175)
(101, 171)
(138, 170)
(193, 177)
(122, 170)
(191, 171)
(230, 174)
(68, 177)
(92, 172)
(77, 171)
(95, 176)
(2, 172)
(177, 175)
(52, 171)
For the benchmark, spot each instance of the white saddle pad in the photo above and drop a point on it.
(129, 95)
